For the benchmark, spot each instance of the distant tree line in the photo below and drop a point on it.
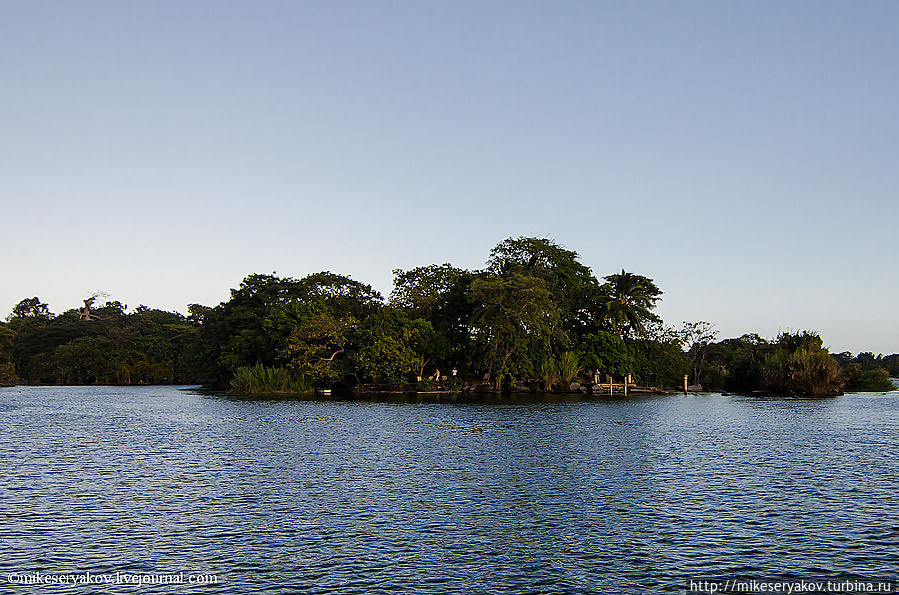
(534, 317)
(793, 363)
(145, 346)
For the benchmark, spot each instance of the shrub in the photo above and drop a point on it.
(607, 353)
(8, 374)
(775, 372)
(814, 372)
(568, 366)
(548, 374)
(454, 384)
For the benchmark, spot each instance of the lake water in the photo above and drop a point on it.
(592, 496)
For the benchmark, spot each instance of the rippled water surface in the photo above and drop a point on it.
(597, 496)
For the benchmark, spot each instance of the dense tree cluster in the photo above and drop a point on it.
(793, 363)
(145, 346)
(533, 312)
(867, 372)
(534, 316)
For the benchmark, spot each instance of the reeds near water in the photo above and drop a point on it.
(261, 380)
(559, 371)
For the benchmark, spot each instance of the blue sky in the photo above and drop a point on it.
(742, 154)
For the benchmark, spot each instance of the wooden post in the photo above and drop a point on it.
(625, 384)
(610, 387)
(685, 384)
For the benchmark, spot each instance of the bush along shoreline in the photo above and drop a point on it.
(534, 318)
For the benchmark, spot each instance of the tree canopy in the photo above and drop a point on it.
(534, 315)
(629, 300)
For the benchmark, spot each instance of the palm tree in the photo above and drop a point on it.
(628, 301)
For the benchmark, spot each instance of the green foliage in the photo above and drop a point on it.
(31, 309)
(422, 291)
(628, 302)
(515, 317)
(534, 313)
(262, 380)
(775, 371)
(792, 364)
(813, 372)
(110, 310)
(85, 360)
(867, 361)
(569, 366)
(859, 379)
(270, 320)
(533, 298)
(8, 374)
(548, 374)
(7, 338)
(560, 371)
(865, 372)
(659, 362)
(891, 364)
(317, 346)
(339, 295)
(454, 384)
(741, 360)
(793, 342)
(426, 385)
(436, 296)
(427, 345)
(798, 364)
(144, 347)
(384, 352)
(714, 376)
(232, 334)
(574, 289)
(697, 338)
(606, 353)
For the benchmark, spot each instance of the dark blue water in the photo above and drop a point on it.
(603, 496)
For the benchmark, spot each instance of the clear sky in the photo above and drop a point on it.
(745, 155)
